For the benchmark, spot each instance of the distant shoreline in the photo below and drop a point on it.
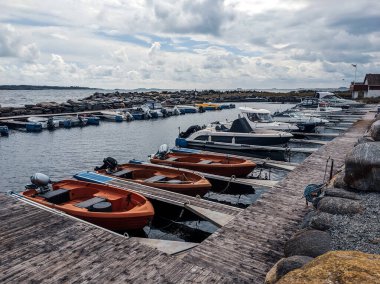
(31, 87)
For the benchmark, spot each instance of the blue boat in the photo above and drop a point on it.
(4, 131)
(33, 127)
(225, 106)
(187, 109)
(93, 120)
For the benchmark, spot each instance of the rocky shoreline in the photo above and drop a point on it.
(117, 100)
(345, 219)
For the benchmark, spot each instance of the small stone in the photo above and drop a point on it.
(375, 241)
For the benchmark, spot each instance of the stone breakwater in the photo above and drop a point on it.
(345, 219)
(117, 100)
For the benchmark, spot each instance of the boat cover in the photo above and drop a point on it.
(241, 125)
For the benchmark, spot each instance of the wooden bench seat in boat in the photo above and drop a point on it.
(90, 202)
(123, 173)
(58, 196)
(205, 162)
(155, 178)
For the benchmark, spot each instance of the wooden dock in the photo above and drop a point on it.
(42, 246)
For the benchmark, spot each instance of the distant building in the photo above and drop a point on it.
(369, 88)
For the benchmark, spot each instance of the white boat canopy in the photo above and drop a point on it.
(253, 110)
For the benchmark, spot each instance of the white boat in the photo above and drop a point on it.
(155, 109)
(46, 122)
(262, 119)
(304, 123)
(117, 116)
(169, 111)
(240, 133)
(335, 101)
(187, 109)
(68, 121)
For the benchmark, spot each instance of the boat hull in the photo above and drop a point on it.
(220, 165)
(192, 184)
(128, 210)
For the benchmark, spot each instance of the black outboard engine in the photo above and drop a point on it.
(40, 183)
(50, 124)
(189, 131)
(110, 164)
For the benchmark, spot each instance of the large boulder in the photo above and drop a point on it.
(374, 131)
(310, 243)
(362, 171)
(341, 206)
(350, 267)
(285, 265)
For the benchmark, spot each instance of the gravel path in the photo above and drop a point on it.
(360, 231)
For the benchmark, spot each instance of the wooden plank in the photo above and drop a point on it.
(217, 218)
(168, 247)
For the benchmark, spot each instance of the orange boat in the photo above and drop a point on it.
(165, 178)
(213, 164)
(110, 207)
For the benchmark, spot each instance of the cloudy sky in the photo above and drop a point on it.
(189, 43)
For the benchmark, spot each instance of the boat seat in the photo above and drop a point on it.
(171, 159)
(90, 202)
(123, 173)
(205, 162)
(58, 196)
(175, 181)
(155, 179)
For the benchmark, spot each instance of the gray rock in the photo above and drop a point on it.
(309, 243)
(339, 181)
(288, 264)
(338, 192)
(321, 221)
(362, 170)
(306, 220)
(341, 206)
(374, 131)
(365, 139)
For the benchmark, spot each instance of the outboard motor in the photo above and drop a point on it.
(162, 151)
(40, 183)
(50, 124)
(189, 131)
(110, 164)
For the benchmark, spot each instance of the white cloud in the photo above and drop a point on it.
(188, 44)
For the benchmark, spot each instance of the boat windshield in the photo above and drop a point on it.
(259, 117)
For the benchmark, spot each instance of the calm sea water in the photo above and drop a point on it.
(23, 97)
(64, 152)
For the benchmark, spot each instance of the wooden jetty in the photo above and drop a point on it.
(42, 246)
(325, 135)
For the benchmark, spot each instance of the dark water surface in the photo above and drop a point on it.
(64, 152)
